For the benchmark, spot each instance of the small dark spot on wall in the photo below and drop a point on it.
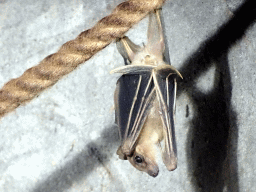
(187, 111)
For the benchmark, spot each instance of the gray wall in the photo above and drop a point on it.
(65, 139)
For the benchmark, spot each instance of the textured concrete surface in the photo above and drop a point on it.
(65, 140)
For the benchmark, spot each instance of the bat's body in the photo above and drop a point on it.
(150, 137)
(145, 101)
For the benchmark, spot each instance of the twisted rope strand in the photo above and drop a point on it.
(73, 53)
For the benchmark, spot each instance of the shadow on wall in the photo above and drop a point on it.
(213, 134)
(95, 154)
(213, 161)
(212, 139)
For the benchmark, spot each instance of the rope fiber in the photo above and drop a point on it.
(73, 53)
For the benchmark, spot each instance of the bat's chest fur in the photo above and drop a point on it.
(152, 131)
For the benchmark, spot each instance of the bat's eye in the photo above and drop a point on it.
(138, 159)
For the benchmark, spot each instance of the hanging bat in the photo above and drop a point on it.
(145, 98)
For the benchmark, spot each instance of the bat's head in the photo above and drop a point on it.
(143, 159)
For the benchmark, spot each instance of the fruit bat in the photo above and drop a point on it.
(145, 98)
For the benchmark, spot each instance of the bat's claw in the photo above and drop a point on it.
(167, 69)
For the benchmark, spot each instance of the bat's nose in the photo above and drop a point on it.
(153, 172)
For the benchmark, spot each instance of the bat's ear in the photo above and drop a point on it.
(127, 48)
(156, 43)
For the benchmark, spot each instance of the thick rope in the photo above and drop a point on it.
(73, 53)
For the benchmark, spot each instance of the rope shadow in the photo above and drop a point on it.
(213, 135)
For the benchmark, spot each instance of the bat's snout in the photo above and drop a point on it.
(153, 172)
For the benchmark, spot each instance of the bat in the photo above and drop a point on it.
(145, 99)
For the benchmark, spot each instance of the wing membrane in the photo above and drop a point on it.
(166, 94)
(133, 98)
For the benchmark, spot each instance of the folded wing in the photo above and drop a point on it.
(165, 84)
(133, 98)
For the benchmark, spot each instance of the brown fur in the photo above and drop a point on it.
(150, 137)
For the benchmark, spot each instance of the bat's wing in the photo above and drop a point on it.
(165, 84)
(164, 77)
(133, 97)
